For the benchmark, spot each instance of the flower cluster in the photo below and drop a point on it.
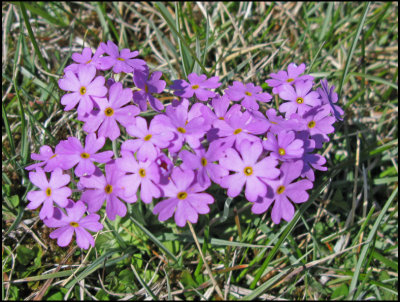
(202, 137)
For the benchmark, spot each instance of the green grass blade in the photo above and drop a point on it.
(353, 46)
(366, 248)
(34, 8)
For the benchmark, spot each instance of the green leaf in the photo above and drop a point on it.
(340, 292)
(25, 255)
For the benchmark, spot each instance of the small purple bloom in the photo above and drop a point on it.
(120, 61)
(329, 97)
(85, 59)
(148, 86)
(111, 111)
(289, 78)
(148, 142)
(165, 166)
(301, 98)
(144, 174)
(249, 94)
(84, 87)
(74, 222)
(249, 172)
(285, 146)
(50, 160)
(319, 124)
(73, 153)
(106, 188)
(203, 161)
(53, 190)
(187, 200)
(198, 85)
(283, 191)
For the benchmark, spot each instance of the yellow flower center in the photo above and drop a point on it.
(281, 151)
(248, 171)
(142, 172)
(203, 161)
(311, 124)
(120, 59)
(289, 80)
(181, 195)
(147, 137)
(88, 61)
(146, 88)
(108, 189)
(74, 224)
(85, 155)
(109, 111)
(53, 156)
(237, 131)
(195, 87)
(248, 93)
(221, 118)
(300, 100)
(181, 130)
(280, 189)
(82, 91)
(48, 192)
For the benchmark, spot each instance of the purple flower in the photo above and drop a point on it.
(74, 222)
(85, 59)
(285, 146)
(289, 78)
(219, 109)
(50, 160)
(111, 111)
(144, 174)
(319, 124)
(249, 94)
(53, 190)
(283, 191)
(106, 188)
(198, 85)
(301, 98)
(186, 199)
(148, 142)
(120, 61)
(148, 86)
(249, 172)
(239, 126)
(84, 87)
(184, 124)
(73, 153)
(203, 161)
(329, 97)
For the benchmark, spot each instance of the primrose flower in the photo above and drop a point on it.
(120, 61)
(73, 223)
(50, 160)
(107, 188)
(283, 191)
(249, 172)
(85, 59)
(84, 87)
(110, 111)
(186, 198)
(288, 78)
(319, 124)
(284, 146)
(73, 153)
(53, 190)
(148, 142)
(144, 174)
(329, 97)
(148, 86)
(198, 85)
(249, 94)
(203, 161)
(301, 98)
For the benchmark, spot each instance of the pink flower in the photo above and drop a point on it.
(74, 222)
(148, 86)
(198, 85)
(249, 172)
(53, 190)
(186, 199)
(111, 111)
(50, 160)
(85, 59)
(84, 87)
(249, 94)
